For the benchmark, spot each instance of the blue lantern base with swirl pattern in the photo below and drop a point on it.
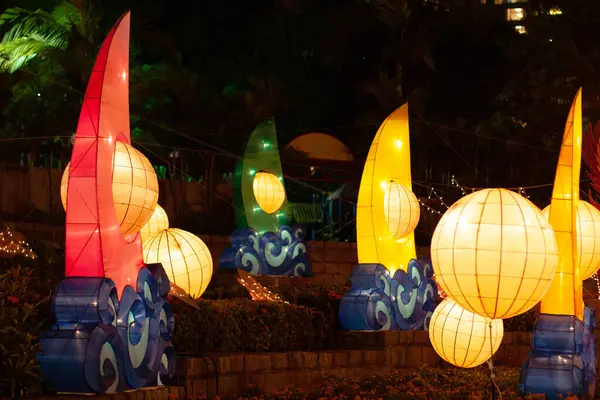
(378, 302)
(99, 344)
(281, 253)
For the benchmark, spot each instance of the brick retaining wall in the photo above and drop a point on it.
(382, 352)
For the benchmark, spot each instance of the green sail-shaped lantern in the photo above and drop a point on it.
(261, 157)
(263, 244)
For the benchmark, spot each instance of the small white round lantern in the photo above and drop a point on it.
(268, 191)
(462, 338)
(401, 209)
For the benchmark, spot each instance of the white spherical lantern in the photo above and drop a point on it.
(134, 186)
(157, 223)
(184, 257)
(462, 338)
(268, 191)
(494, 253)
(588, 237)
(401, 209)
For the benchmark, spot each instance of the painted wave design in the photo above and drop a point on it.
(99, 344)
(282, 253)
(377, 301)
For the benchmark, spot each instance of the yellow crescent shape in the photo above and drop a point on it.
(565, 296)
(388, 160)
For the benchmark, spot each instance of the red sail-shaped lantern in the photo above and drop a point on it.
(95, 246)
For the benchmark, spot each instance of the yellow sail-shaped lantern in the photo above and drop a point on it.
(565, 296)
(387, 167)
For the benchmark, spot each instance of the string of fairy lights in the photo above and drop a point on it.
(12, 245)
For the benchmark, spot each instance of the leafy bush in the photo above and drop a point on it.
(425, 383)
(22, 298)
(242, 325)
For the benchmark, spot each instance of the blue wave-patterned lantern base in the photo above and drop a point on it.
(563, 359)
(281, 253)
(102, 345)
(377, 301)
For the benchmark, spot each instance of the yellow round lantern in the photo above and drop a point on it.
(135, 188)
(588, 237)
(401, 209)
(462, 338)
(157, 223)
(268, 191)
(185, 258)
(494, 253)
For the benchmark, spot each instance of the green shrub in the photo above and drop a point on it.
(424, 383)
(22, 298)
(242, 325)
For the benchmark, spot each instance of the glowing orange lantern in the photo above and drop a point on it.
(134, 187)
(185, 258)
(495, 254)
(462, 338)
(268, 191)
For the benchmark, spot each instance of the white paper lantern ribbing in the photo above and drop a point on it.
(588, 237)
(135, 188)
(157, 223)
(185, 258)
(268, 191)
(494, 253)
(401, 209)
(462, 338)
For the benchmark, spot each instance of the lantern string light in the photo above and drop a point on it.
(597, 279)
(12, 245)
(431, 210)
(256, 290)
(455, 183)
(523, 193)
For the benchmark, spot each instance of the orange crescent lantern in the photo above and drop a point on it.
(134, 186)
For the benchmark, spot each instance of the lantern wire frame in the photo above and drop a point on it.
(588, 232)
(462, 338)
(402, 210)
(185, 258)
(158, 222)
(495, 254)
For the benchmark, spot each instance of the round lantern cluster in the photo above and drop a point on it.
(495, 256)
(184, 256)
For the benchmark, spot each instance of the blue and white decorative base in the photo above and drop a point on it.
(379, 302)
(102, 345)
(283, 253)
(563, 359)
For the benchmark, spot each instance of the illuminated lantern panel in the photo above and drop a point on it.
(184, 257)
(268, 191)
(157, 223)
(588, 237)
(401, 209)
(495, 254)
(462, 338)
(135, 188)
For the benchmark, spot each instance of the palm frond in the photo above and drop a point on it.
(66, 14)
(30, 34)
